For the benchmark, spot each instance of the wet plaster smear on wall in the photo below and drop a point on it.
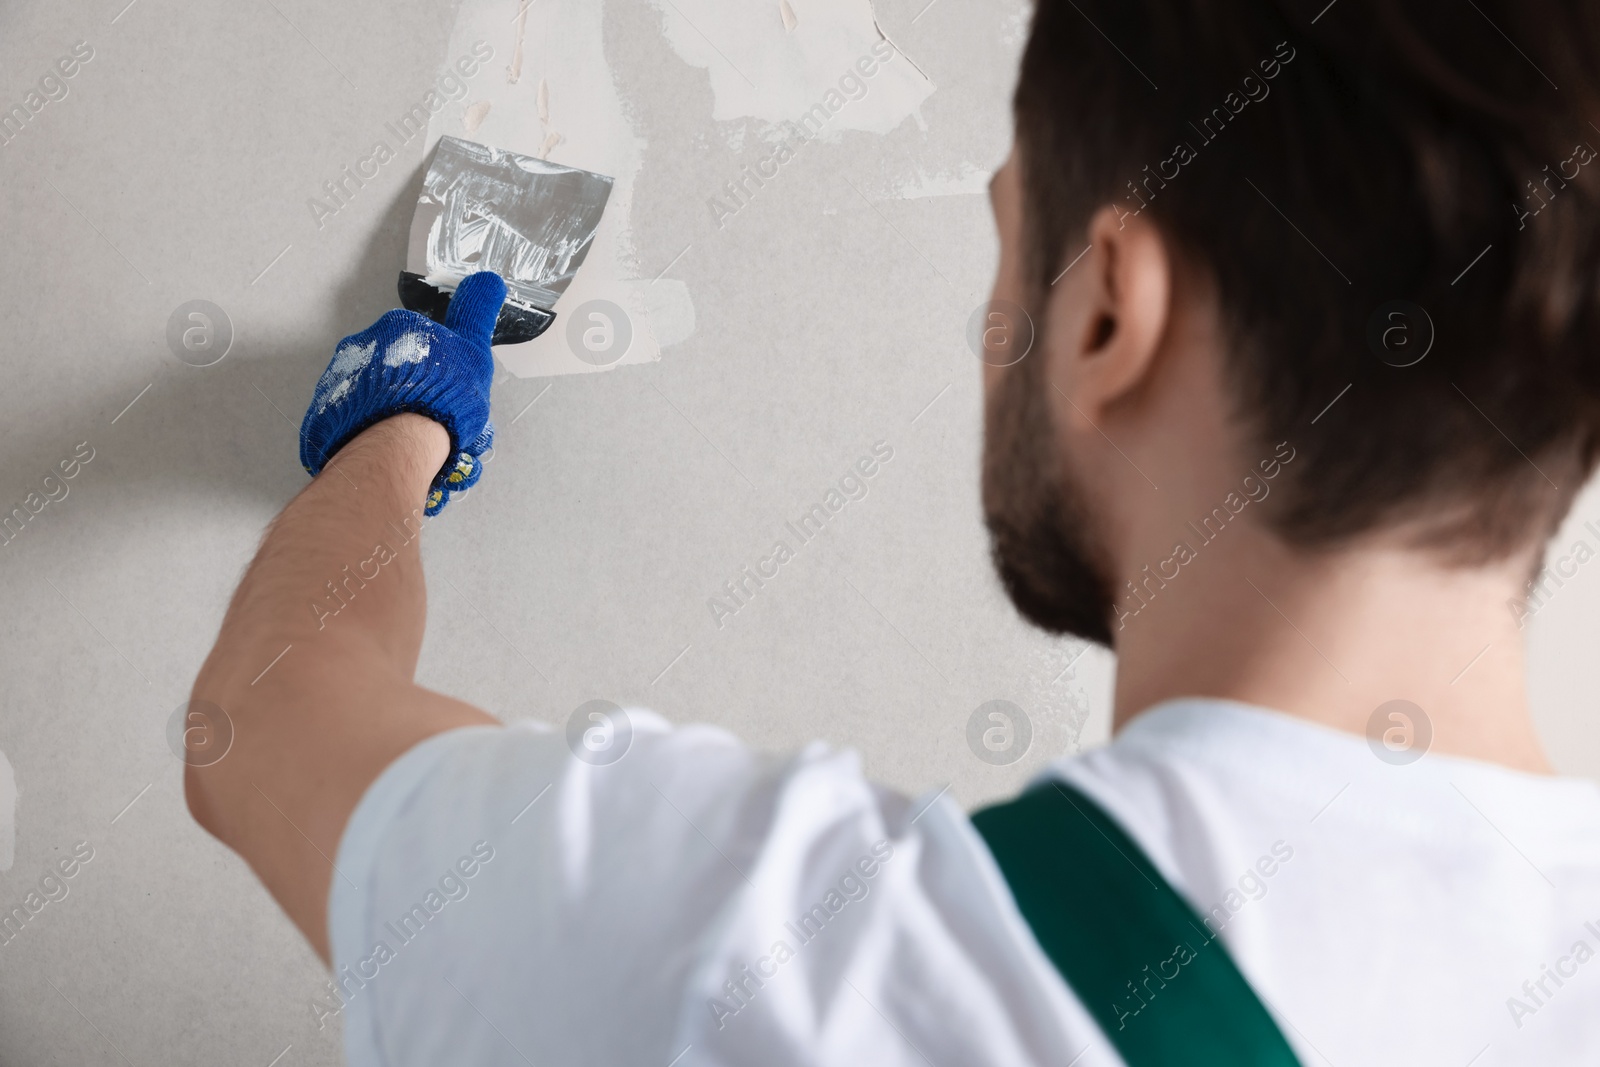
(551, 94)
(775, 60)
(554, 97)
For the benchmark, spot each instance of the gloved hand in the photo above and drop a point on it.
(408, 362)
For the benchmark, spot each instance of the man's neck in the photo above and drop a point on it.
(1330, 639)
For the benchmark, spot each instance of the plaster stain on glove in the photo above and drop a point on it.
(440, 371)
(462, 470)
(407, 348)
(348, 362)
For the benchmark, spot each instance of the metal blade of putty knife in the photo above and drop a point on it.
(528, 220)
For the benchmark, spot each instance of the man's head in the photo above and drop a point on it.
(1366, 239)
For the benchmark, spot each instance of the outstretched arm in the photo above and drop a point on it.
(307, 695)
(314, 663)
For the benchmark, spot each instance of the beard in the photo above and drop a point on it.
(1039, 529)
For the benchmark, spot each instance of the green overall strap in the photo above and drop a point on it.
(1160, 985)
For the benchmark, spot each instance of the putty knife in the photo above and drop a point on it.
(528, 220)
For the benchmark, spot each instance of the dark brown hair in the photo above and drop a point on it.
(1339, 157)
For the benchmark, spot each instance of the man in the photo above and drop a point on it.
(1313, 374)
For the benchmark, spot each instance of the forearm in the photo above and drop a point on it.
(313, 666)
(339, 572)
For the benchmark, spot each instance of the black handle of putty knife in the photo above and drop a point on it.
(517, 323)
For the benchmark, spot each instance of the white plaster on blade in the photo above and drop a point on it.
(762, 70)
(787, 14)
(579, 94)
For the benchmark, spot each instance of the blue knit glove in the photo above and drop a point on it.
(408, 362)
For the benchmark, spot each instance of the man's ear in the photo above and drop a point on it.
(1108, 314)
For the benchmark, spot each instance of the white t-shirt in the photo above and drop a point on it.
(498, 901)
